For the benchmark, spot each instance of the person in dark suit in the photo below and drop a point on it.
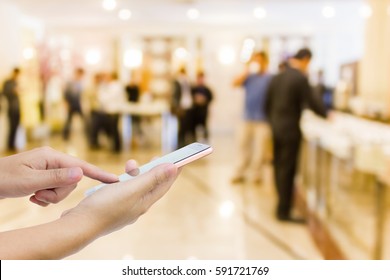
(289, 93)
(181, 107)
(73, 92)
(11, 93)
(202, 97)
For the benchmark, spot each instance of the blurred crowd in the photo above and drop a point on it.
(270, 131)
(99, 101)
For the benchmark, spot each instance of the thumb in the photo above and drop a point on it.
(54, 178)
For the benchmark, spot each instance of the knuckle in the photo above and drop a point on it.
(45, 150)
(57, 175)
(159, 178)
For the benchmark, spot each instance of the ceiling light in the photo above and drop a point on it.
(226, 55)
(226, 209)
(260, 12)
(28, 53)
(109, 5)
(365, 11)
(133, 58)
(181, 53)
(328, 12)
(124, 14)
(93, 56)
(193, 14)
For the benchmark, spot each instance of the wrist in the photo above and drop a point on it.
(78, 230)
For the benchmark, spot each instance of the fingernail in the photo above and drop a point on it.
(134, 172)
(74, 173)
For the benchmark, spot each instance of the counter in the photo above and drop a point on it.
(343, 181)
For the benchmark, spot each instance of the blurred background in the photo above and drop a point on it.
(97, 79)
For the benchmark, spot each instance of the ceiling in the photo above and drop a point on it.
(217, 12)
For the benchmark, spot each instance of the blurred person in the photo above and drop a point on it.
(111, 99)
(322, 92)
(133, 96)
(98, 118)
(48, 176)
(202, 97)
(11, 92)
(73, 95)
(289, 93)
(54, 109)
(181, 105)
(254, 129)
(282, 66)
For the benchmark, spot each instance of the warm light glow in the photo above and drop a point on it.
(181, 53)
(193, 14)
(247, 50)
(93, 57)
(388, 10)
(226, 209)
(109, 5)
(226, 55)
(260, 12)
(365, 11)
(124, 14)
(133, 58)
(28, 53)
(328, 12)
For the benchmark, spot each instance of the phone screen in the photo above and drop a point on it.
(179, 157)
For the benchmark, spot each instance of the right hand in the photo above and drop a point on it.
(120, 204)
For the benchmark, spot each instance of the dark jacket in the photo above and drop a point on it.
(288, 94)
(10, 93)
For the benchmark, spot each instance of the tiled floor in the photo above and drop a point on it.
(202, 217)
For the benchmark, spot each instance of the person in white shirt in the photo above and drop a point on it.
(111, 97)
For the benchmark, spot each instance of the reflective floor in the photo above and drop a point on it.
(202, 217)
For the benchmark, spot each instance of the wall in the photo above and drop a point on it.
(10, 48)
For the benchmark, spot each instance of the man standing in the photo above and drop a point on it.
(73, 92)
(288, 95)
(255, 130)
(202, 97)
(181, 104)
(11, 92)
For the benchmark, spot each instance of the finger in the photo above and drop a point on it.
(156, 177)
(132, 168)
(47, 179)
(161, 189)
(61, 160)
(38, 202)
(54, 195)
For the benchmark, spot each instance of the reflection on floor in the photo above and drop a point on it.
(202, 217)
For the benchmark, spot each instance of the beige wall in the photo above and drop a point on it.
(10, 38)
(375, 66)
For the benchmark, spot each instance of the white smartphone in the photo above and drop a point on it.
(179, 157)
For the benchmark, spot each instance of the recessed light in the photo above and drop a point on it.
(328, 12)
(365, 11)
(260, 12)
(124, 14)
(193, 14)
(109, 5)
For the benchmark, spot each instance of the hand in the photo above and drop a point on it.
(47, 174)
(120, 204)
